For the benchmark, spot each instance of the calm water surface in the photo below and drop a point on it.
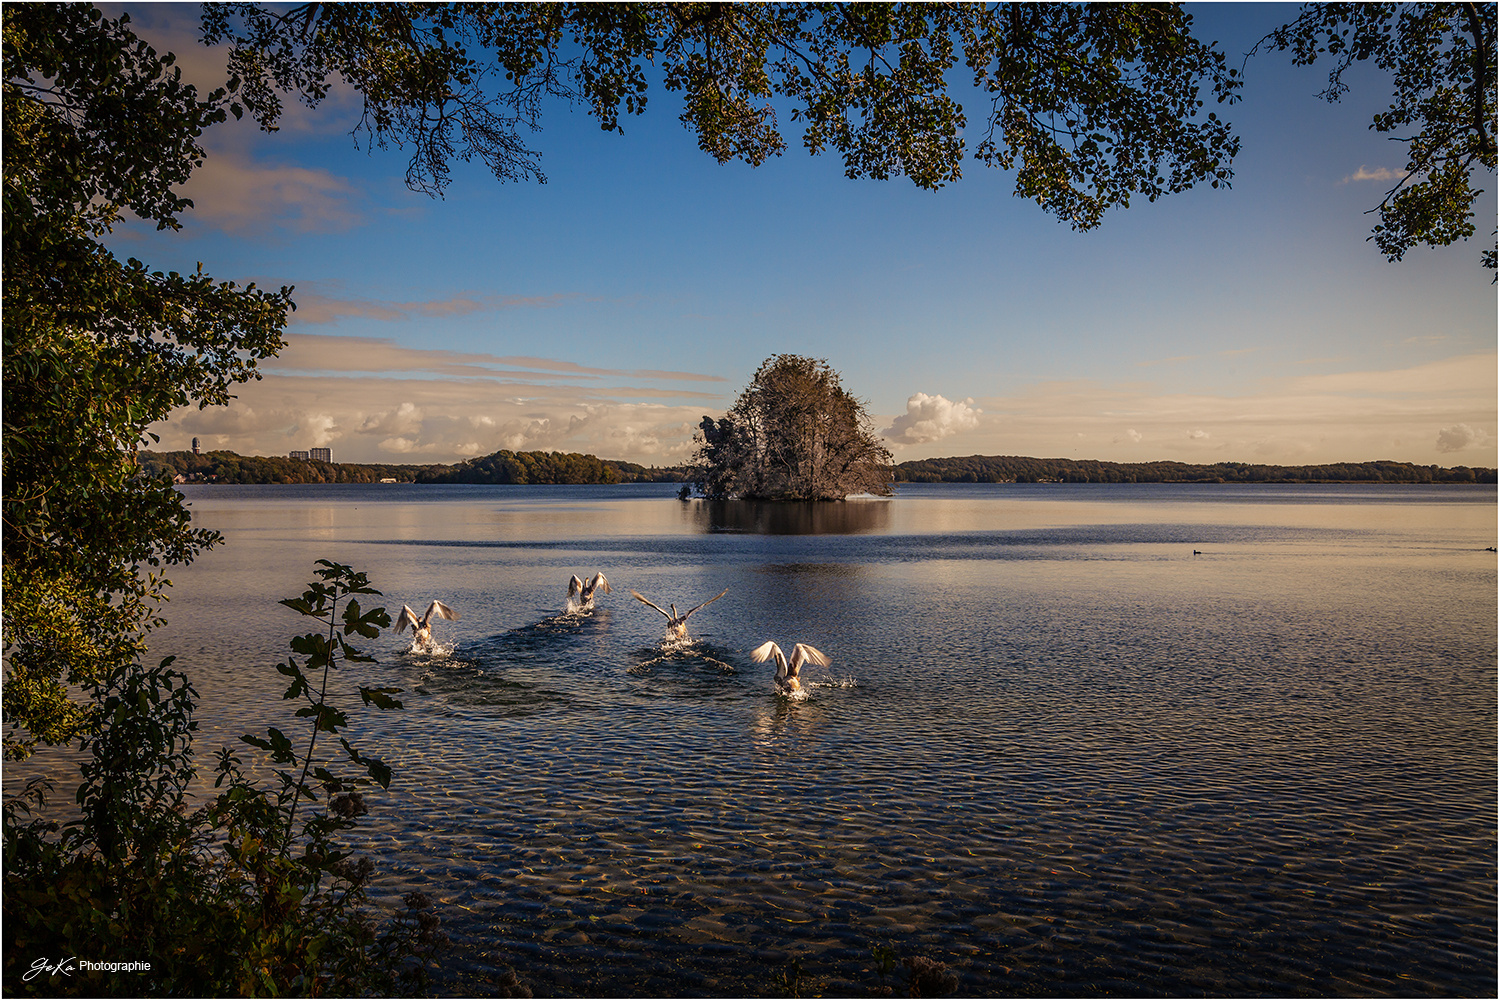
(1056, 749)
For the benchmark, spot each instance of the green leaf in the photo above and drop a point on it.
(380, 698)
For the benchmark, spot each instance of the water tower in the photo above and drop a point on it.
(195, 446)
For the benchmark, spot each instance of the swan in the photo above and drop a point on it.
(677, 624)
(421, 629)
(584, 590)
(787, 671)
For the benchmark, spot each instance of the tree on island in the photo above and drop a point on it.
(794, 434)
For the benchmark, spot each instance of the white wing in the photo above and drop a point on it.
(575, 586)
(599, 581)
(406, 618)
(804, 654)
(639, 597)
(766, 651)
(443, 611)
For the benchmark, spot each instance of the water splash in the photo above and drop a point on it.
(432, 649)
(684, 650)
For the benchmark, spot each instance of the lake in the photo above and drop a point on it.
(1074, 739)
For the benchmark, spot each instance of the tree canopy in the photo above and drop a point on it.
(793, 434)
(1442, 61)
(1091, 104)
(96, 124)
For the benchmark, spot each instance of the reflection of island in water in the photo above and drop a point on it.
(792, 517)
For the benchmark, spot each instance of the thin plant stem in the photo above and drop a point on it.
(313, 741)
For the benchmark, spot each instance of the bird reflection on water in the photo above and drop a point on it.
(784, 724)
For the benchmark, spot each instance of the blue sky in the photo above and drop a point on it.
(608, 310)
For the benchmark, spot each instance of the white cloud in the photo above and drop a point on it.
(1458, 437)
(1199, 434)
(1378, 174)
(436, 406)
(175, 28)
(237, 421)
(238, 194)
(1131, 434)
(360, 356)
(1448, 377)
(318, 429)
(233, 190)
(929, 418)
(405, 419)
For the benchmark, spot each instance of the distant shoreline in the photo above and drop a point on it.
(572, 468)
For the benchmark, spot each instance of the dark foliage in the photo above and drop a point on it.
(526, 467)
(1090, 104)
(249, 893)
(547, 467)
(1021, 469)
(97, 124)
(630, 472)
(229, 467)
(501, 467)
(1442, 66)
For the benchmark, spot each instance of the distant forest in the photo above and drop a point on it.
(501, 467)
(548, 467)
(1020, 469)
(571, 467)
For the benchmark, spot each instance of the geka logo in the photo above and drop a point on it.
(43, 965)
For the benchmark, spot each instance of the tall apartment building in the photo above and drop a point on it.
(298, 455)
(322, 454)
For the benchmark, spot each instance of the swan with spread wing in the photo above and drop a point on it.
(677, 624)
(581, 592)
(421, 629)
(788, 672)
